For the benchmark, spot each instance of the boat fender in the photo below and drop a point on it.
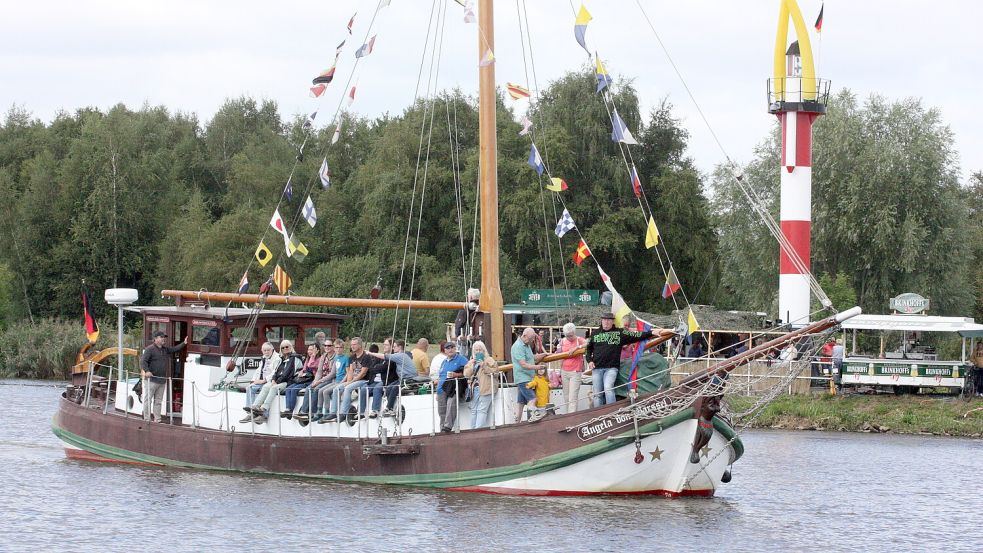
(726, 476)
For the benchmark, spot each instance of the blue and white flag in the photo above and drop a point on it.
(310, 215)
(325, 174)
(565, 224)
(366, 48)
(535, 161)
(244, 283)
(310, 120)
(621, 132)
(288, 190)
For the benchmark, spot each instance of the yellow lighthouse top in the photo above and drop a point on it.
(790, 10)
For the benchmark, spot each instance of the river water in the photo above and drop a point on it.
(792, 491)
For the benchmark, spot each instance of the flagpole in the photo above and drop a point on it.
(490, 301)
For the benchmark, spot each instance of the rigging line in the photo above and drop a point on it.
(792, 254)
(416, 171)
(523, 37)
(435, 69)
(456, 176)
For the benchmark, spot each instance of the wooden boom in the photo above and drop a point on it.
(311, 300)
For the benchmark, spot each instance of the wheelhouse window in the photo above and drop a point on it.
(156, 327)
(242, 334)
(276, 334)
(205, 333)
(310, 331)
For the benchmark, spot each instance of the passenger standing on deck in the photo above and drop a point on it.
(267, 367)
(572, 368)
(153, 368)
(450, 388)
(420, 358)
(524, 365)
(604, 356)
(541, 387)
(485, 368)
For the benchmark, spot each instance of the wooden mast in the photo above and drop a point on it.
(490, 302)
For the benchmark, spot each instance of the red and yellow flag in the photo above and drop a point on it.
(582, 253)
(88, 319)
(281, 279)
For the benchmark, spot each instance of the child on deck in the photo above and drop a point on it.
(541, 385)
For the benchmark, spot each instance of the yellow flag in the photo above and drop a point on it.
(557, 185)
(691, 322)
(263, 254)
(282, 280)
(297, 249)
(651, 234)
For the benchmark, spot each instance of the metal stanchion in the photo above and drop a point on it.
(109, 384)
(457, 406)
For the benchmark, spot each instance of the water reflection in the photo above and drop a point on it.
(792, 491)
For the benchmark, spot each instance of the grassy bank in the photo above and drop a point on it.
(871, 413)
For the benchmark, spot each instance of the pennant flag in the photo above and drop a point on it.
(325, 173)
(517, 92)
(336, 136)
(621, 132)
(582, 253)
(366, 48)
(350, 23)
(263, 254)
(641, 326)
(603, 79)
(310, 215)
(339, 48)
(692, 325)
(288, 190)
(469, 16)
(557, 185)
(565, 224)
(281, 279)
(535, 161)
(651, 234)
(244, 283)
(819, 20)
(672, 284)
(351, 97)
(487, 59)
(384, 4)
(580, 26)
(318, 89)
(278, 225)
(88, 318)
(324, 78)
(310, 120)
(618, 305)
(296, 249)
(526, 125)
(636, 183)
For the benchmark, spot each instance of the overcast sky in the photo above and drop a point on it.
(192, 55)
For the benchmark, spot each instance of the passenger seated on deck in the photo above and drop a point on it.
(271, 390)
(484, 367)
(264, 373)
(696, 350)
(302, 379)
(400, 366)
(340, 369)
(356, 377)
(323, 376)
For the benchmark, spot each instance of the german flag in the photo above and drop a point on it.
(88, 318)
(819, 20)
(582, 253)
(281, 279)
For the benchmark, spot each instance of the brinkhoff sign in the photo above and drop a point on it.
(909, 304)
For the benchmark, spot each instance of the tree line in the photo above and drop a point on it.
(152, 199)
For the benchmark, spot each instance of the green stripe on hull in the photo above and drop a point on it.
(436, 480)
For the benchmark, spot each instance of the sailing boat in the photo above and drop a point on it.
(671, 443)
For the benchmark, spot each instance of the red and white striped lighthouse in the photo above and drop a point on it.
(795, 100)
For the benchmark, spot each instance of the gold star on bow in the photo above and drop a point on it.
(657, 454)
(705, 452)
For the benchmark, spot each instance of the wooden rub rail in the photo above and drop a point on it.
(189, 295)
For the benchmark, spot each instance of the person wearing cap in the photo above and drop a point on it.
(449, 387)
(604, 356)
(153, 367)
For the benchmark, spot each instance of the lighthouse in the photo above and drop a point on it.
(797, 98)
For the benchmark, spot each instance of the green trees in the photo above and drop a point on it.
(888, 211)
